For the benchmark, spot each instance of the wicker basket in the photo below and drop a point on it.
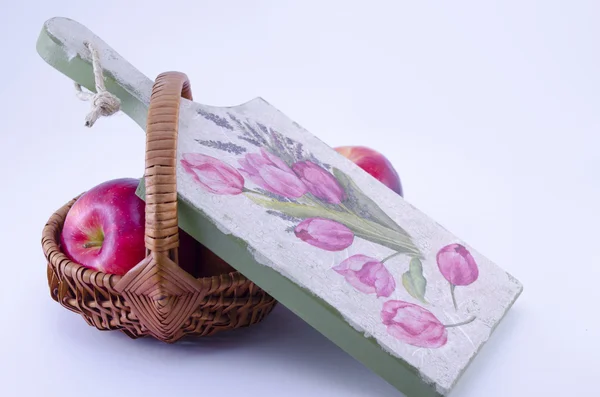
(157, 297)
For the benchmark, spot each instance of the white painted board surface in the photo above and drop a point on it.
(393, 273)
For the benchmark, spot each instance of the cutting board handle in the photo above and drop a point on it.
(61, 44)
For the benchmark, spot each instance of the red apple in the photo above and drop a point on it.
(375, 164)
(104, 229)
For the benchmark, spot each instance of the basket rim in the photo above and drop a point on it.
(61, 263)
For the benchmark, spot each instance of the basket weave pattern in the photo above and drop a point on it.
(156, 297)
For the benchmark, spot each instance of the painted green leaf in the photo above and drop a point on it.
(361, 227)
(414, 281)
(361, 203)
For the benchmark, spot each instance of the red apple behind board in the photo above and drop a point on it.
(375, 164)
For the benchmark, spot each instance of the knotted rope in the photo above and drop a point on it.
(103, 103)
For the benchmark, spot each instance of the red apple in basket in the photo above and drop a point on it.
(375, 164)
(104, 231)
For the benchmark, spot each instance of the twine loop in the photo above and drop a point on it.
(103, 103)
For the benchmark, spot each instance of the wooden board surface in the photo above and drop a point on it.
(392, 273)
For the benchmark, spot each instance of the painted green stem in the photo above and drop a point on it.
(365, 203)
(362, 228)
(452, 286)
(395, 254)
(345, 208)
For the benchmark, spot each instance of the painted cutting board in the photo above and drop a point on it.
(382, 280)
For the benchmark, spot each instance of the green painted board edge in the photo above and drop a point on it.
(316, 312)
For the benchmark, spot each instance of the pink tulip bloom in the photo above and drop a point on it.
(367, 275)
(319, 182)
(413, 324)
(213, 174)
(271, 173)
(457, 265)
(325, 234)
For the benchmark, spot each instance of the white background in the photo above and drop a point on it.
(490, 114)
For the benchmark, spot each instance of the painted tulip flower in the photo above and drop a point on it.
(367, 275)
(319, 182)
(413, 324)
(271, 173)
(213, 174)
(325, 234)
(457, 266)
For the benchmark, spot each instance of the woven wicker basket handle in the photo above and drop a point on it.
(160, 293)
(161, 155)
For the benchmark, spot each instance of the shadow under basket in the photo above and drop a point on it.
(224, 301)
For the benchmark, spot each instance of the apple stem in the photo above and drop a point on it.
(91, 244)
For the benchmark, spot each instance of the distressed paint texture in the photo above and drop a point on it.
(422, 330)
